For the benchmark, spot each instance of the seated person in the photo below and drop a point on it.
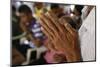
(30, 26)
(17, 33)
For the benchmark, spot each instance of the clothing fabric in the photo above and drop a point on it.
(35, 29)
(87, 37)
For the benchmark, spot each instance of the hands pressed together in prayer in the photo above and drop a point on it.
(61, 36)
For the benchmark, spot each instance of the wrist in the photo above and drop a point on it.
(73, 56)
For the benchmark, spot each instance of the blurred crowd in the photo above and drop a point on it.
(36, 41)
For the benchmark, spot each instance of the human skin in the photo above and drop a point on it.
(25, 20)
(17, 57)
(62, 36)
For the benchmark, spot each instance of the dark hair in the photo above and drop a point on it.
(54, 6)
(24, 9)
(13, 8)
(79, 8)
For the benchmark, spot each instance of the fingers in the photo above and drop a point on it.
(46, 29)
(54, 20)
(59, 32)
(48, 24)
(60, 57)
(67, 26)
(47, 33)
(51, 46)
(69, 36)
(42, 22)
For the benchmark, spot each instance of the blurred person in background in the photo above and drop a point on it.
(32, 28)
(29, 25)
(39, 8)
(17, 56)
(57, 10)
(77, 12)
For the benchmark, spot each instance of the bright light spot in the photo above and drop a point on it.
(71, 14)
(18, 4)
(26, 42)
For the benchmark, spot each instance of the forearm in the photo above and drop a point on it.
(17, 57)
(18, 60)
(30, 37)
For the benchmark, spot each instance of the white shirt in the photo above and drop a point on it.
(87, 37)
(84, 13)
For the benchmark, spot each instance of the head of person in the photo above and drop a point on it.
(25, 13)
(56, 9)
(77, 10)
(38, 5)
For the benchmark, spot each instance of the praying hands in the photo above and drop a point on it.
(61, 35)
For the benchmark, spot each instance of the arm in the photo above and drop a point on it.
(17, 57)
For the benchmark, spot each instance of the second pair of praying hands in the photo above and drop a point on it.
(61, 36)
